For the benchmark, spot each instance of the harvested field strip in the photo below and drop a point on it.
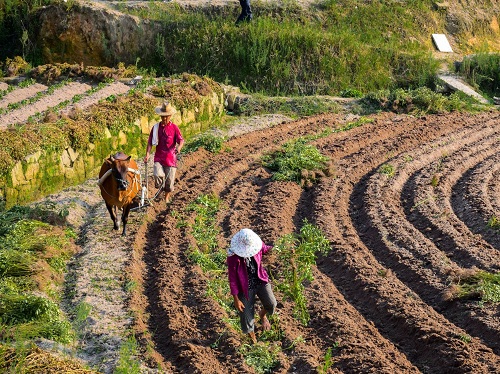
(115, 88)
(61, 94)
(20, 94)
(371, 319)
(475, 198)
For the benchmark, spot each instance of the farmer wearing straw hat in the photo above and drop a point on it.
(168, 140)
(247, 279)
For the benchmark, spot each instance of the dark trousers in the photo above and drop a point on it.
(266, 297)
(246, 11)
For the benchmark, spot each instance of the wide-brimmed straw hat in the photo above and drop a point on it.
(166, 109)
(245, 243)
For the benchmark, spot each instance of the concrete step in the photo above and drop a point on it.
(456, 83)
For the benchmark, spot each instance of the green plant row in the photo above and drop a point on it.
(75, 99)
(25, 83)
(296, 256)
(34, 98)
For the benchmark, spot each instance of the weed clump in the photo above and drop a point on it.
(475, 284)
(297, 161)
(211, 143)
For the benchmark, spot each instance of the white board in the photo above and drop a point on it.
(441, 43)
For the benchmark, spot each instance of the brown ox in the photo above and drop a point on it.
(119, 180)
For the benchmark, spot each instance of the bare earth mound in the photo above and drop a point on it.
(396, 240)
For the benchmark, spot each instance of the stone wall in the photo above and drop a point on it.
(43, 173)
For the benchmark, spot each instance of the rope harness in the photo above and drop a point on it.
(135, 179)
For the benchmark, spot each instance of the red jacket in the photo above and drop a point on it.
(237, 271)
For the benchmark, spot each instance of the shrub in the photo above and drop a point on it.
(294, 157)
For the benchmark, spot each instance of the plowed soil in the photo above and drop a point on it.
(379, 296)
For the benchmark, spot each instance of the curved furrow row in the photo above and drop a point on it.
(334, 322)
(350, 290)
(395, 309)
(422, 265)
(61, 94)
(433, 185)
(475, 198)
(175, 303)
(175, 331)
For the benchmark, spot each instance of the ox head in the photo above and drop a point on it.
(119, 166)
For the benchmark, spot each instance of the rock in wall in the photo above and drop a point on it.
(94, 35)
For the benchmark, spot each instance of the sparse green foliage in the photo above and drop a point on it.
(262, 357)
(387, 169)
(296, 254)
(210, 142)
(494, 223)
(294, 157)
(480, 284)
(328, 362)
(128, 363)
(351, 125)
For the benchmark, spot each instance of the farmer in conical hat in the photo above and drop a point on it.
(168, 140)
(248, 279)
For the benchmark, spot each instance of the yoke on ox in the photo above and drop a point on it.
(119, 181)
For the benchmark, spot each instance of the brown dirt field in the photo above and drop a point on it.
(379, 295)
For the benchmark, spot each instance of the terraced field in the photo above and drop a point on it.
(380, 297)
(18, 104)
(406, 213)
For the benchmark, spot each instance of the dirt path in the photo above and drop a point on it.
(378, 294)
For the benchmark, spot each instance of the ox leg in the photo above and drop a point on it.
(112, 213)
(126, 211)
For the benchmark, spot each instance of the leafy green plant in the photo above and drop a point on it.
(494, 223)
(295, 156)
(328, 362)
(296, 255)
(262, 357)
(387, 169)
(210, 142)
(465, 338)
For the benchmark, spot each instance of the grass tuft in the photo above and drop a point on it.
(477, 285)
